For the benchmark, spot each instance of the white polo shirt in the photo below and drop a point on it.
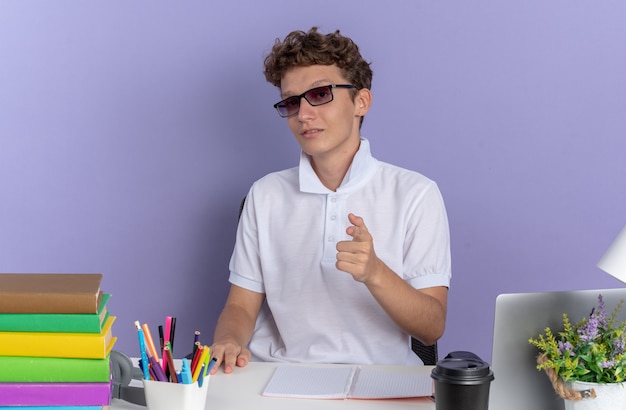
(286, 248)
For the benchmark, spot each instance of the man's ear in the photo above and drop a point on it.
(363, 101)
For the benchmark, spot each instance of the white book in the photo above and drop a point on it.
(346, 382)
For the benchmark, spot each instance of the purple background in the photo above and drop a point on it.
(130, 131)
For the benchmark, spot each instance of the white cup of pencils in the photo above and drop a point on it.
(167, 386)
(168, 396)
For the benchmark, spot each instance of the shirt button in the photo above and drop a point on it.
(331, 238)
(333, 217)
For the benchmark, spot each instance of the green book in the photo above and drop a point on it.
(53, 369)
(56, 322)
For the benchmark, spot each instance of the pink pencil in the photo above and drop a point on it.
(166, 338)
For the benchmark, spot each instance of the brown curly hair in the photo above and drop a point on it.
(301, 49)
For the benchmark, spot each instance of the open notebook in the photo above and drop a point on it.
(347, 382)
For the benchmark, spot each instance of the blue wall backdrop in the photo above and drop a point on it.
(129, 132)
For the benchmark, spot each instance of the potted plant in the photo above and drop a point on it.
(586, 361)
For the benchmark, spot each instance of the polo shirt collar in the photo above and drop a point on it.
(362, 168)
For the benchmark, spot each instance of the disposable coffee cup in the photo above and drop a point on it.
(179, 396)
(462, 382)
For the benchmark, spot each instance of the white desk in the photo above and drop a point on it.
(242, 390)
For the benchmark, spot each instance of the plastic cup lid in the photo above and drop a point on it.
(462, 371)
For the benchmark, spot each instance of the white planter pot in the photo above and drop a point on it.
(608, 396)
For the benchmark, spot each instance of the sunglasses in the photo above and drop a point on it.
(315, 96)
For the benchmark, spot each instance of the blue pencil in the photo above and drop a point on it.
(211, 365)
(142, 350)
(201, 376)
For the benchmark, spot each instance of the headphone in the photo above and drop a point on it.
(122, 372)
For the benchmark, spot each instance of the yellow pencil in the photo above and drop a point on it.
(206, 360)
(196, 370)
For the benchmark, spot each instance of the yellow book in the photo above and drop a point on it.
(70, 345)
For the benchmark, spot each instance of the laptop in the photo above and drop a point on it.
(518, 385)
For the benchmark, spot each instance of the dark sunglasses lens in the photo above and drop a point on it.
(319, 96)
(288, 106)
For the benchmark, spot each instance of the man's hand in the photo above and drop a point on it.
(421, 313)
(357, 257)
(231, 354)
(234, 328)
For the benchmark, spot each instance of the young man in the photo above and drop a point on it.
(343, 258)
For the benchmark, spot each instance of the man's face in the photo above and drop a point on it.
(324, 130)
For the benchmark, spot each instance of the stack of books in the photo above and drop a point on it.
(55, 340)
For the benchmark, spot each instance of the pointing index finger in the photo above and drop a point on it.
(358, 230)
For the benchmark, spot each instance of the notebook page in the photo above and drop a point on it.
(310, 382)
(372, 383)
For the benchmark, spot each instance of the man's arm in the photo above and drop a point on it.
(234, 328)
(419, 312)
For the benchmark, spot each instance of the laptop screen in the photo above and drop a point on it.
(518, 385)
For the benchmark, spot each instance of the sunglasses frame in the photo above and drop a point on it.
(303, 95)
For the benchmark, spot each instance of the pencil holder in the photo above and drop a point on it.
(167, 396)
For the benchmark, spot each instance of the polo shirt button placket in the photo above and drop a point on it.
(332, 219)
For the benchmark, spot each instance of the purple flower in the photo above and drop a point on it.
(589, 331)
(597, 320)
(566, 347)
(618, 346)
(601, 315)
(607, 365)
